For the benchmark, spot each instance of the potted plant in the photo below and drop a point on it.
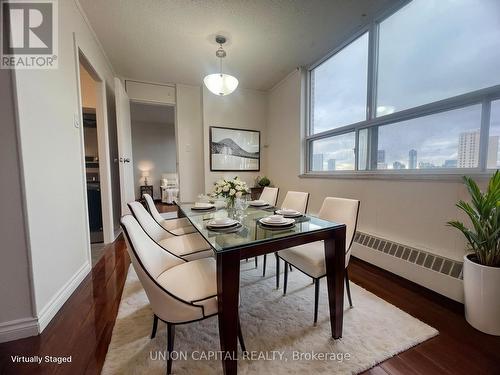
(481, 269)
(264, 181)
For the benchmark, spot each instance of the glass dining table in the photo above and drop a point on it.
(250, 239)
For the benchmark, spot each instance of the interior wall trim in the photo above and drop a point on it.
(48, 312)
(17, 329)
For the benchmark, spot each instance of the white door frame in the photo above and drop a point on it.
(103, 145)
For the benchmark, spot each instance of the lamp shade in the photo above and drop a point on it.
(145, 173)
(221, 84)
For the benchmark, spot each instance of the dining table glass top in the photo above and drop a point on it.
(251, 231)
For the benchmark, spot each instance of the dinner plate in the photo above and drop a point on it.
(288, 213)
(258, 203)
(222, 223)
(276, 227)
(233, 228)
(273, 223)
(203, 208)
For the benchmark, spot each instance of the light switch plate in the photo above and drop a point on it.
(76, 120)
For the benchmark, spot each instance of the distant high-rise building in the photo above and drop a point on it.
(412, 159)
(398, 165)
(452, 163)
(468, 150)
(381, 156)
(317, 162)
(492, 158)
(381, 164)
(331, 164)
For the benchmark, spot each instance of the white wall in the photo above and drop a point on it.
(51, 148)
(244, 109)
(16, 314)
(408, 212)
(189, 130)
(153, 147)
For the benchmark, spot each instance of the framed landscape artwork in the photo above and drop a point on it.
(234, 149)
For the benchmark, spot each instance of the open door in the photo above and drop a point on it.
(124, 136)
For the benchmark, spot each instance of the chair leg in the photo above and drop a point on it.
(316, 300)
(277, 271)
(264, 267)
(170, 346)
(285, 280)
(255, 262)
(347, 287)
(240, 337)
(290, 266)
(155, 326)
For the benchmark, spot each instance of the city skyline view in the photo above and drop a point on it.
(435, 139)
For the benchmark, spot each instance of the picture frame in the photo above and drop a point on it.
(234, 149)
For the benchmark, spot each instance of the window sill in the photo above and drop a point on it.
(451, 176)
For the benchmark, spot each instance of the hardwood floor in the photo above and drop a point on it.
(458, 349)
(83, 327)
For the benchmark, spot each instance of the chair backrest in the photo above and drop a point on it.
(152, 208)
(146, 221)
(150, 261)
(296, 200)
(153, 258)
(342, 210)
(270, 195)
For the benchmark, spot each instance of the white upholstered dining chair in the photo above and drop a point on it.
(179, 292)
(310, 258)
(176, 226)
(294, 200)
(270, 195)
(188, 247)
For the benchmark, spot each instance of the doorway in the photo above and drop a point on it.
(88, 87)
(155, 151)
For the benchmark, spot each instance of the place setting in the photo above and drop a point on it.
(288, 213)
(259, 203)
(275, 222)
(203, 206)
(225, 225)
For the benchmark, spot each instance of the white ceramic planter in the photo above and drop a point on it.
(482, 296)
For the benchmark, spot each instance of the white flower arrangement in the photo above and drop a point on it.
(230, 189)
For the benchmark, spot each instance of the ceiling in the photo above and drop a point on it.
(152, 113)
(172, 41)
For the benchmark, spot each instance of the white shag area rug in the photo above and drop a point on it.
(278, 331)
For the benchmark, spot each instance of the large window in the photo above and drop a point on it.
(416, 90)
(339, 88)
(436, 49)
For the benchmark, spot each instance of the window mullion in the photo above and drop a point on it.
(484, 134)
(372, 95)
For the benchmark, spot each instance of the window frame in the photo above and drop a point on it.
(484, 97)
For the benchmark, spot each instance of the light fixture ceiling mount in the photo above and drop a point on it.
(220, 83)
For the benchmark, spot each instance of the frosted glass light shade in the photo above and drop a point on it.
(221, 84)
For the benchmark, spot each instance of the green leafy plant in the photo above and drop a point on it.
(264, 181)
(484, 214)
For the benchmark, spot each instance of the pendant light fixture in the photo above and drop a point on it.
(219, 83)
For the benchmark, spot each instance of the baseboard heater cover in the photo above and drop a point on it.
(409, 254)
